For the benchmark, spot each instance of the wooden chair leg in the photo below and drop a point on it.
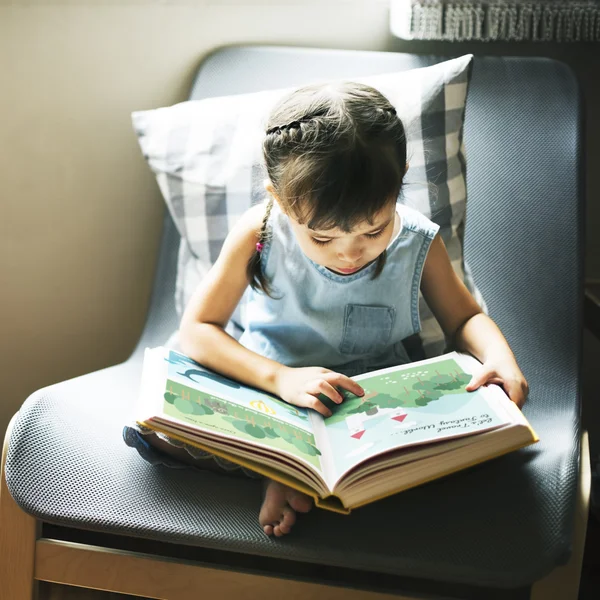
(18, 534)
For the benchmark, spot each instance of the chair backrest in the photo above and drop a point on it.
(523, 137)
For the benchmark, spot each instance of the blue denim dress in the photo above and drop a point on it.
(350, 324)
(347, 323)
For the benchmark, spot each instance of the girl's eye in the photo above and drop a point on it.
(371, 236)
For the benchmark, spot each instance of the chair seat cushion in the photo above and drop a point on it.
(497, 524)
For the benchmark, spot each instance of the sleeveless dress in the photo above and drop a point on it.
(348, 323)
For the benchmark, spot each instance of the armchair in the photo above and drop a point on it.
(77, 506)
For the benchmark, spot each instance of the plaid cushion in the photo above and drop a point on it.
(206, 155)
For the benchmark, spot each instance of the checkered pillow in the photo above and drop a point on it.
(206, 155)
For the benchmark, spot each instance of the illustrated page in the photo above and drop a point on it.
(200, 397)
(414, 405)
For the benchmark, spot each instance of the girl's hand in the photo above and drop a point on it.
(505, 373)
(302, 386)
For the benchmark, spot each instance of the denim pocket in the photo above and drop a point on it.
(367, 329)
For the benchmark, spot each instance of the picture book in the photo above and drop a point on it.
(415, 423)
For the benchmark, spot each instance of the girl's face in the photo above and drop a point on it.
(346, 253)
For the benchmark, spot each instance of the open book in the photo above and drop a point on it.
(414, 424)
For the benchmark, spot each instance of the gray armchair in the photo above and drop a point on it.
(77, 506)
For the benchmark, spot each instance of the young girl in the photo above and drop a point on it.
(334, 265)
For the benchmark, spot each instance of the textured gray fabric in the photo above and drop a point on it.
(502, 524)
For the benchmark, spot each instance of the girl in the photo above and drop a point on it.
(329, 268)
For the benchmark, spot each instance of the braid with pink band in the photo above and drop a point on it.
(253, 269)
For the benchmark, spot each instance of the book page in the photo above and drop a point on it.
(196, 396)
(413, 404)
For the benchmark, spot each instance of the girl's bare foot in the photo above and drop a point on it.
(280, 503)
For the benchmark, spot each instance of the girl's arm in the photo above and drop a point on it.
(202, 327)
(203, 336)
(472, 331)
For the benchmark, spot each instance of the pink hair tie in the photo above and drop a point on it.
(259, 247)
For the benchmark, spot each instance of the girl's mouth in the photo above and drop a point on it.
(348, 271)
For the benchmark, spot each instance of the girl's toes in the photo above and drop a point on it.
(278, 512)
(288, 520)
(273, 504)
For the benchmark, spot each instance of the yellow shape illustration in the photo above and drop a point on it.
(260, 405)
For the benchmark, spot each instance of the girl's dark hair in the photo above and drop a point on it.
(336, 155)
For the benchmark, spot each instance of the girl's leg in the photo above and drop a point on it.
(280, 503)
(182, 455)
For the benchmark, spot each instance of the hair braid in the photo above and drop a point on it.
(296, 124)
(254, 272)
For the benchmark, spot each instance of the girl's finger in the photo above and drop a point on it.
(311, 402)
(346, 383)
(478, 379)
(323, 387)
(515, 392)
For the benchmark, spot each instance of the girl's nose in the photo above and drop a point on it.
(350, 255)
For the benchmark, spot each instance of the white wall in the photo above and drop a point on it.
(80, 214)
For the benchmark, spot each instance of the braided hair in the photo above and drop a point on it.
(335, 154)
(254, 272)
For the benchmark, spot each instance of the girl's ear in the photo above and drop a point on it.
(406, 169)
(270, 189)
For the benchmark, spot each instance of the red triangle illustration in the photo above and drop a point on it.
(358, 435)
(399, 418)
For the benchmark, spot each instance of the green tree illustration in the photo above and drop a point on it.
(450, 381)
(426, 391)
(255, 431)
(170, 397)
(424, 385)
(305, 447)
(364, 407)
(183, 405)
(382, 400)
(295, 412)
(464, 378)
(250, 427)
(270, 432)
(202, 409)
